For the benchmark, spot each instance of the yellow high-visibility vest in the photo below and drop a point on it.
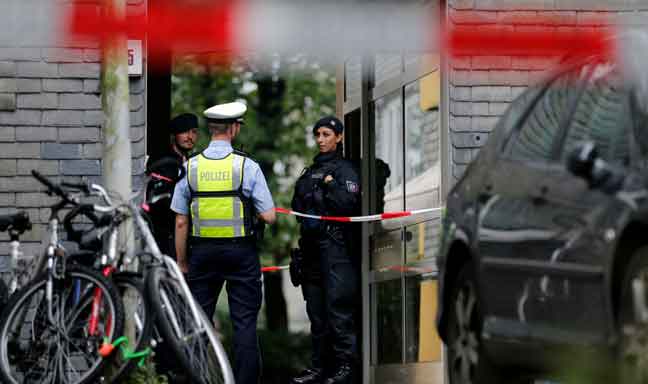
(217, 204)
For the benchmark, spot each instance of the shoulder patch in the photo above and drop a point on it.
(244, 154)
(352, 187)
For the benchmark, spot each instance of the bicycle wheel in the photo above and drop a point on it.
(192, 339)
(131, 288)
(35, 350)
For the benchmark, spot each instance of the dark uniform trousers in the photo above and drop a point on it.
(166, 243)
(331, 297)
(213, 263)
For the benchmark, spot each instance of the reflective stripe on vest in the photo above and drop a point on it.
(216, 216)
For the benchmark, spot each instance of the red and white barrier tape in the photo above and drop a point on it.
(394, 268)
(160, 177)
(355, 219)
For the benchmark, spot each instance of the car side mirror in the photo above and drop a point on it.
(582, 159)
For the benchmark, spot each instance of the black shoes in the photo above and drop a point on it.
(309, 376)
(343, 375)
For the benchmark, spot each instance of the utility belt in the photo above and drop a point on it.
(195, 240)
(320, 228)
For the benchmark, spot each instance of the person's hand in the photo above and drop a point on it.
(184, 266)
(328, 179)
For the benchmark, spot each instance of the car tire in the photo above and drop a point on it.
(466, 361)
(632, 353)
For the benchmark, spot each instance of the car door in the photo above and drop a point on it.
(573, 289)
(515, 229)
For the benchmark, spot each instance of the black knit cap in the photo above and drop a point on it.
(183, 123)
(331, 122)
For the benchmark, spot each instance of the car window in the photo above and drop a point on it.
(602, 115)
(534, 139)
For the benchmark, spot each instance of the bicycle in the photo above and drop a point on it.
(180, 321)
(53, 328)
(130, 284)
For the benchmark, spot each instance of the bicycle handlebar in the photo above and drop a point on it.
(51, 187)
(101, 191)
(80, 235)
(80, 186)
(85, 188)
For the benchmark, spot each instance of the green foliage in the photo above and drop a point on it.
(145, 375)
(284, 354)
(582, 366)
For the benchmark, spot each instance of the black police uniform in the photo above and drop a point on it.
(167, 172)
(330, 278)
(162, 182)
(234, 263)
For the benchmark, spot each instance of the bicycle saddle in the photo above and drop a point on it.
(18, 222)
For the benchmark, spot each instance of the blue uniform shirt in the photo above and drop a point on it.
(254, 183)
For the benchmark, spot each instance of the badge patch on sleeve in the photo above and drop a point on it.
(352, 187)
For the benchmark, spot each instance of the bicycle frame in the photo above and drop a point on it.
(51, 264)
(107, 270)
(56, 270)
(167, 261)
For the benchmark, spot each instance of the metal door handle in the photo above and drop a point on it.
(541, 197)
(486, 194)
(484, 197)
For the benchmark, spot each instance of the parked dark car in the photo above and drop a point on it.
(545, 233)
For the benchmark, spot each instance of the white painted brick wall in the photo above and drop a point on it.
(50, 120)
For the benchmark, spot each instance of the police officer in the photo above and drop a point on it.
(216, 203)
(330, 281)
(164, 171)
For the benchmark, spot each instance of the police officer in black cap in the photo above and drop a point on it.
(329, 278)
(164, 171)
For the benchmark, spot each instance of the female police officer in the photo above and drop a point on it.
(329, 283)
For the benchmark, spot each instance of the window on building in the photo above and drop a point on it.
(352, 78)
(387, 250)
(422, 240)
(387, 327)
(387, 66)
(422, 343)
(423, 143)
(388, 128)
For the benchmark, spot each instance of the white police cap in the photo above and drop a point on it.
(226, 113)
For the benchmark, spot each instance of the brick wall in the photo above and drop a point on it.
(481, 87)
(50, 120)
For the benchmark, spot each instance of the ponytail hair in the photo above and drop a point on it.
(340, 149)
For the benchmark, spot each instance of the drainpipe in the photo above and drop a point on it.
(116, 160)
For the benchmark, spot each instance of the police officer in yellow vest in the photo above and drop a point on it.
(216, 203)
